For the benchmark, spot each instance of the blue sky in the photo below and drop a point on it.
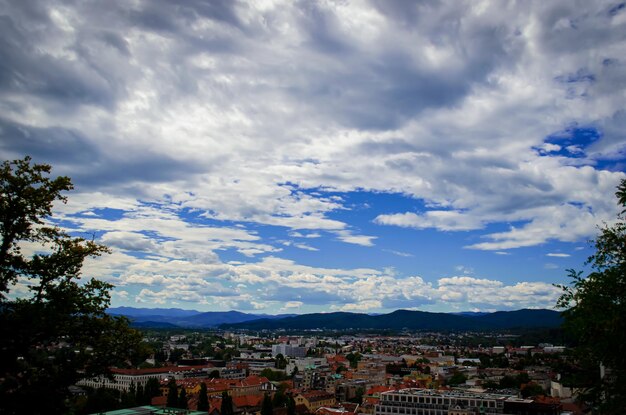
(319, 156)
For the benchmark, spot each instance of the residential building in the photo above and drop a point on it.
(438, 402)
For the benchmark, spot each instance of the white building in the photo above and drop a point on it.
(124, 378)
(288, 350)
(438, 402)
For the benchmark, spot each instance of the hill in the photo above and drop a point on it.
(175, 317)
(406, 319)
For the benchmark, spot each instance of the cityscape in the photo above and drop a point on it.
(312, 207)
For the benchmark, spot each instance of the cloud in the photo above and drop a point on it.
(348, 237)
(443, 220)
(290, 305)
(194, 130)
(399, 253)
(558, 255)
(485, 293)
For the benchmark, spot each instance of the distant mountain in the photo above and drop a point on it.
(153, 325)
(406, 319)
(138, 312)
(397, 320)
(470, 313)
(175, 317)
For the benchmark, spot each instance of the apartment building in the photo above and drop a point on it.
(438, 402)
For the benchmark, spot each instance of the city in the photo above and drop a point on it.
(358, 374)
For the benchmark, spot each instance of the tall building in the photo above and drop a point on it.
(288, 350)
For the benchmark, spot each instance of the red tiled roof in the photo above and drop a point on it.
(247, 400)
(378, 389)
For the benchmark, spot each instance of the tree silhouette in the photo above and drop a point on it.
(595, 313)
(53, 326)
(203, 398)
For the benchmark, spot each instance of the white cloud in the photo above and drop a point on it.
(350, 238)
(558, 255)
(188, 127)
(290, 305)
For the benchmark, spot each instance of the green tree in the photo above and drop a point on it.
(291, 405)
(129, 399)
(280, 399)
(152, 389)
(266, 407)
(53, 326)
(595, 314)
(182, 399)
(281, 362)
(532, 389)
(203, 398)
(354, 359)
(457, 379)
(227, 404)
(172, 394)
(140, 396)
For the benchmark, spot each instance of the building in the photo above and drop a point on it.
(438, 402)
(288, 350)
(254, 366)
(124, 378)
(314, 400)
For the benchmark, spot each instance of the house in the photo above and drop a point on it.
(315, 399)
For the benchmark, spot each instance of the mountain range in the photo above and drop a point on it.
(397, 320)
(176, 317)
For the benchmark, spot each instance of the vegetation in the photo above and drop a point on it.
(53, 327)
(267, 408)
(227, 404)
(182, 399)
(172, 394)
(274, 375)
(203, 398)
(595, 311)
(457, 378)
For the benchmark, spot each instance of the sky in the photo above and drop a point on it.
(318, 156)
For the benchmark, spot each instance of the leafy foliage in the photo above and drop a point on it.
(595, 311)
(227, 404)
(172, 394)
(266, 406)
(203, 398)
(53, 328)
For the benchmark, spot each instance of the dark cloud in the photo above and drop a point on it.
(27, 69)
(55, 145)
(91, 165)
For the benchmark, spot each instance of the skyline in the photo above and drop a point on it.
(282, 157)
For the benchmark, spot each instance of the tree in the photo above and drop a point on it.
(457, 379)
(595, 314)
(291, 405)
(53, 326)
(280, 399)
(215, 374)
(354, 359)
(281, 362)
(227, 404)
(182, 399)
(531, 389)
(140, 396)
(203, 398)
(172, 394)
(266, 407)
(152, 389)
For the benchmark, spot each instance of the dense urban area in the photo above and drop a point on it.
(280, 373)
